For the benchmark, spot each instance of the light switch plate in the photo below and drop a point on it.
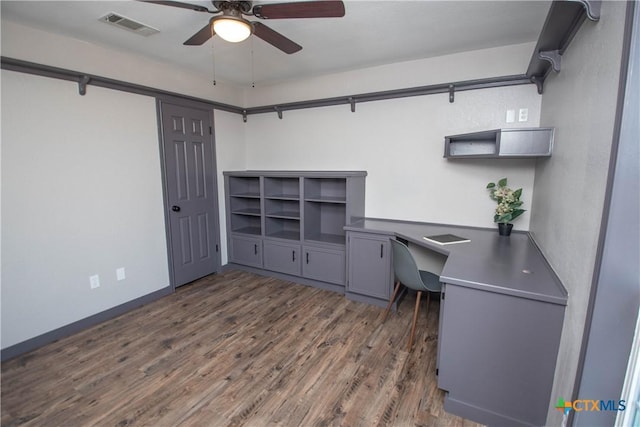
(511, 116)
(120, 275)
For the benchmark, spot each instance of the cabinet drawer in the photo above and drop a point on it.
(282, 257)
(323, 264)
(246, 251)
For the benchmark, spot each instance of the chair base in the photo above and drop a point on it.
(415, 311)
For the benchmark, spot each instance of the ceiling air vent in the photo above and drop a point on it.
(128, 24)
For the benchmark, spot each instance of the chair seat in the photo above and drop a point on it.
(431, 281)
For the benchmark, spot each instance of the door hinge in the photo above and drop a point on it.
(216, 247)
(210, 131)
(437, 372)
(442, 295)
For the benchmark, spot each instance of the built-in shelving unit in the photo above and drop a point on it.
(500, 143)
(293, 222)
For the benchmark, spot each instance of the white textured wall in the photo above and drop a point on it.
(580, 102)
(231, 155)
(81, 195)
(34, 45)
(91, 122)
(400, 142)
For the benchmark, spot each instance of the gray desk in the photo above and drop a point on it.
(501, 316)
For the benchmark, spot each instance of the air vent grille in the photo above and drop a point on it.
(128, 24)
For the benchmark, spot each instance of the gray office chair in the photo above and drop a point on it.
(407, 273)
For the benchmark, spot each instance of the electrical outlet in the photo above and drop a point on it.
(120, 274)
(94, 281)
(511, 116)
(523, 115)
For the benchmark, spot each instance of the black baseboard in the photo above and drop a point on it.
(70, 329)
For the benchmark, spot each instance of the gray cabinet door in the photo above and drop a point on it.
(369, 265)
(246, 251)
(282, 257)
(324, 264)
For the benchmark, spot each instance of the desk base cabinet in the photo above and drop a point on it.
(497, 361)
(369, 273)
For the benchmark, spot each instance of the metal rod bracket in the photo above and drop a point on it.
(82, 84)
(277, 110)
(244, 116)
(452, 90)
(554, 57)
(539, 82)
(352, 101)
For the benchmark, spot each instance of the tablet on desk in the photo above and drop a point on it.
(446, 239)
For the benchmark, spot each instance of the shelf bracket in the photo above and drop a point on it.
(277, 110)
(539, 82)
(452, 90)
(353, 104)
(554, 57)
(592, 8)
(82, 84)
(244, 116)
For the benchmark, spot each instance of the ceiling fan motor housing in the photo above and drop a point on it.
(243, 7)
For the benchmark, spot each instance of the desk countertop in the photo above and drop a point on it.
(510, 265)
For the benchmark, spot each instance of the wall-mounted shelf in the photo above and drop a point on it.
(500, 143)
(563, 22)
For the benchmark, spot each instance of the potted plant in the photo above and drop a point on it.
(509, 204)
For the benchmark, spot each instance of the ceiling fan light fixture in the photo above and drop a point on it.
(231, 28)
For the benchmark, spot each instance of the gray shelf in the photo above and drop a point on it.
(254, 231)
(334, 239)
(500, 144)
(252, 212)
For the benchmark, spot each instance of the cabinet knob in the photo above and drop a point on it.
(381, 250)
(293, 256)
(307, 257)
(175, 208)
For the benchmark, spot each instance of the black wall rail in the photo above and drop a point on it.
(563, 21)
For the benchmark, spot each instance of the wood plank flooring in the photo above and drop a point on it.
(235, 349)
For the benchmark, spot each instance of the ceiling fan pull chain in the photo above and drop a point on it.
(213, 62)
(253, 76)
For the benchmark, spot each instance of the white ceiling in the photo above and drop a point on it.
(371, 33)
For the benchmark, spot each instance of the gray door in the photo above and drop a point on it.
(191, 195)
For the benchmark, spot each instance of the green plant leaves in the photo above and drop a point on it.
(508, 201)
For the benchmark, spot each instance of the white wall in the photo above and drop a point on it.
(30, 44)
(401, 142)
(580, 102)
(231, 155)
(81, 195)
(34, 110)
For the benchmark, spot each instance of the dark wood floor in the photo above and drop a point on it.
(235, 349)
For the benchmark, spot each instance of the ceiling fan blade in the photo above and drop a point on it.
(275, 38)
(201, 36)
(306, 9)
(195, 7)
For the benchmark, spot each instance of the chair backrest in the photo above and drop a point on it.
(405, 267)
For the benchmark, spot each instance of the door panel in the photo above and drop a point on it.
(191, 196)
(324, 264)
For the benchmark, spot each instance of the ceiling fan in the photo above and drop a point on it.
(231, 25)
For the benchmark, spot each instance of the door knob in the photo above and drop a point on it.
(175, 208)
